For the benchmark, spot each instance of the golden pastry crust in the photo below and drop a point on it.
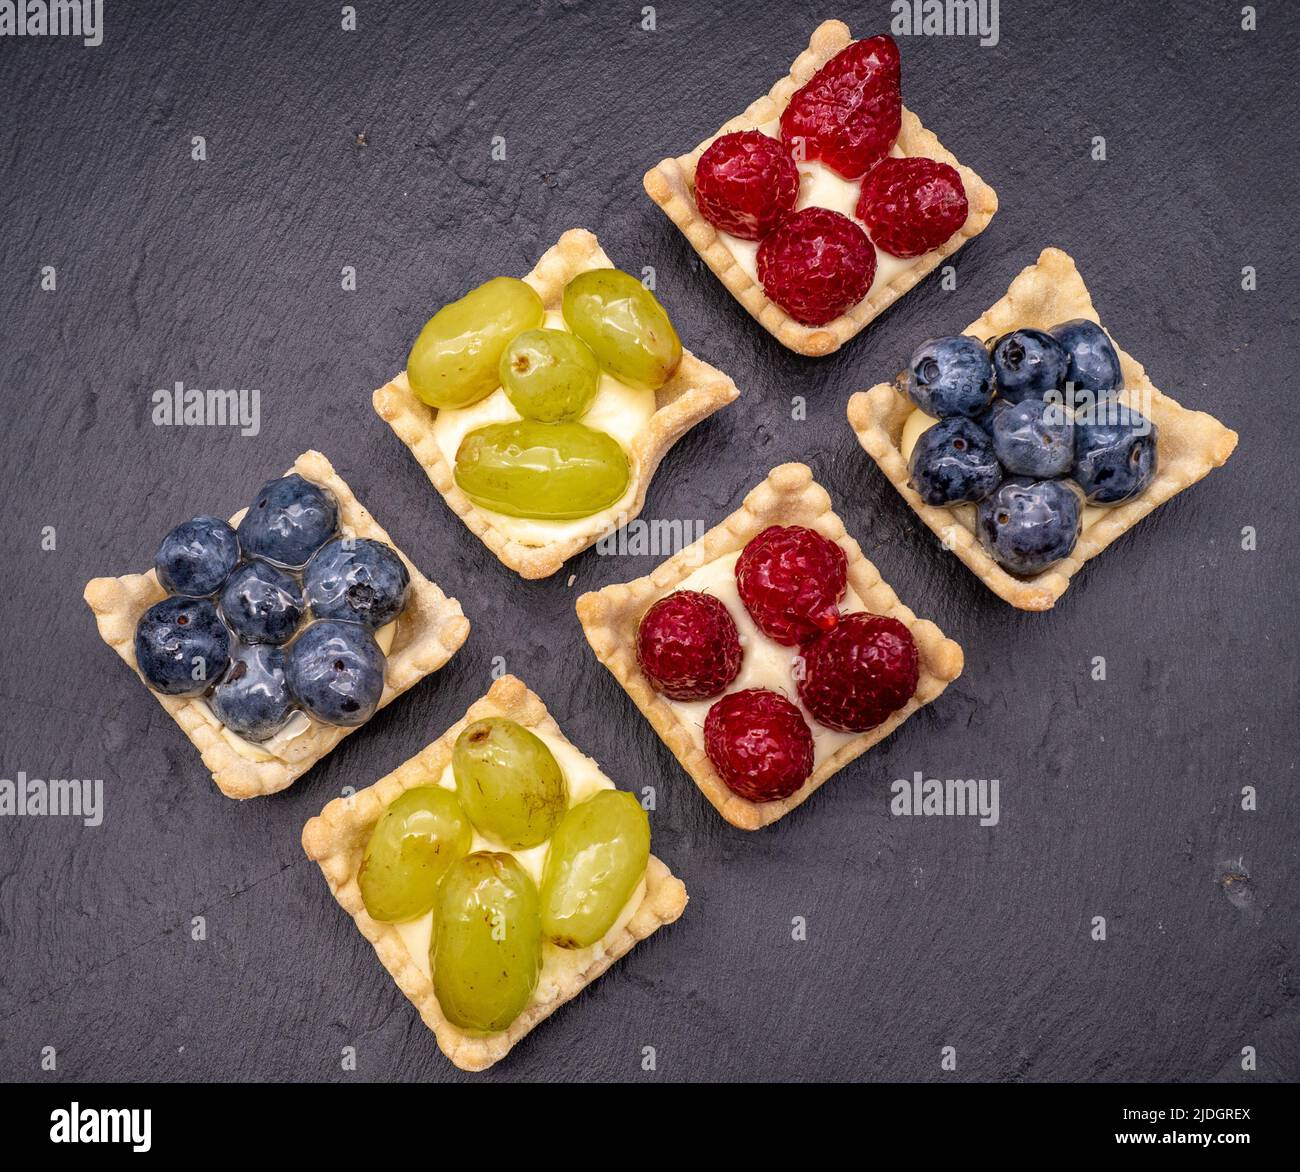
(428, 633)
(671, 185)
(694, 393)
(789, 496)
(337, 837)
(1189, 443)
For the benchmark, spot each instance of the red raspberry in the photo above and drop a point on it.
(790, 580)
(816, 264)
(849, 113)
(912, 205)
(856, 675)
(746, 184)
(688, 646)
(759, 743)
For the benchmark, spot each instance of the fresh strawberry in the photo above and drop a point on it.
(855, 676)
(816, 264)
(912, 205)
(746, 183)
(849, 113)
(791, 580)
(759, 743)
(688, 646)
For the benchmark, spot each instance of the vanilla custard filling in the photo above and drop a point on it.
(764, 663)
(584, 780)
(618, 409)
(820, 187)
(918, 423)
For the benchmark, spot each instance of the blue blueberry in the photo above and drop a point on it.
(1029, 524)
(262, 603)
(1033, 438)
(357, 581)
(1027, 364)
(1114, 453)
(181, 646)
(949, 376)
(253, 700)
(953, 461)
(195, 557)
(1093, 364)
(336, 672)
(288, 521)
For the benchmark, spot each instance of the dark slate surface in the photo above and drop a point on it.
(1120, 799)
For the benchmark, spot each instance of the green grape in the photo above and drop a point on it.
(510, 784)
(417, 838)
(626, 328)
(454, 360)
(549, 471)
(598, 855)
(486, 951)
(549, 375)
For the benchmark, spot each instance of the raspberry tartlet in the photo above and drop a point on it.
(879, 203)
(830, 662)
(468, 836)
(1031, 441)
(322, 622)
(540, 407)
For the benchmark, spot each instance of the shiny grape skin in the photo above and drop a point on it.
(597, 857)
(454, 360)
(625, 326)
(509, 783)
(544, 471)
(549, 375)
(421, 834)
(486, 946)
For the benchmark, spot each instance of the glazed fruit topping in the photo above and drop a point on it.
(954, 462)
(509, 782)
(414, 843)
(1093, 363)
(336, 672)
(688, 646)
(857, 675)
(1034, 437)
(549, 375)
(195, 557)
(1029, 364)
(262, 603)
(181, 646)
(759, 743)
(746, 183)
(849, 114)
(358, 581)
(627, 329)
(253, 699)
(288, 521)
(791, 580)
(1114, 454)
(816, 264)
(949, 376)
(1029, 524)
(912, 205)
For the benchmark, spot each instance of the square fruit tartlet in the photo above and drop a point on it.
(826, 200)
(1031, 441)
(770, 653)
(540, 408)
(270, 637)
(497, 873)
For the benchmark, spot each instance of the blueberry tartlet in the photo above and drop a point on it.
(270, 637)
(1031, 441)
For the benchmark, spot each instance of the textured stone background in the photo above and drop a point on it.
(371, 149)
